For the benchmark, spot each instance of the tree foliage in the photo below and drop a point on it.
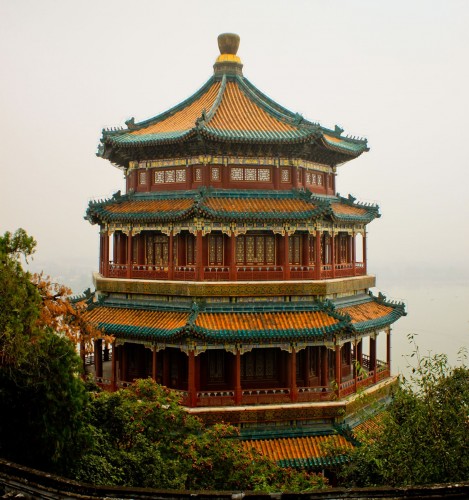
(424, 435)
(41, 395)
(143, 437)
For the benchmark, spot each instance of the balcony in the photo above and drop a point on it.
(240, 272)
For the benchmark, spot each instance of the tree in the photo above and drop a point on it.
(143, 437)
(19, 300)
(424, 435)
(41, 394)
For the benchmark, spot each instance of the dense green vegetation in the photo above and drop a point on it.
(424, 435)
(142, 436)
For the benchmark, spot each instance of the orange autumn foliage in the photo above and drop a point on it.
(66, 317)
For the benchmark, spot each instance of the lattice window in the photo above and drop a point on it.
(216, 366)
(134, 250)
(157, 250)
(255, 249)
(270, 250)
(259, 364)
(190, 250)
(215, 250)
(285, 175)
(308, 177)
(142, 178)
(236, 174)
(180, 175)
(313, 178)
(343, 254)
(240, 249)
(198, 175)
(215, 174)
(319, 180)
(264, 174)
(169, 176)
(159, 177)
(250, 174)
(294, 249)
(312, 248)
(250, 255)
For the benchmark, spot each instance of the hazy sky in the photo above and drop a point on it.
(396, 72)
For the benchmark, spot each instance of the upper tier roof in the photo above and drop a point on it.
(228, 109)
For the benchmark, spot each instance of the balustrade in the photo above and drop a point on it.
(216, 273)
(243, 273)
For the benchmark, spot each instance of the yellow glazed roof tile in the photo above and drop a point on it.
(366, 311)
(300, 447)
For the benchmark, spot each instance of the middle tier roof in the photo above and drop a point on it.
(229, 206)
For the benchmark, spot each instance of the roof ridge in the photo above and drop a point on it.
(178, 107)
(275, 105)
(290, 119)
(216, 104)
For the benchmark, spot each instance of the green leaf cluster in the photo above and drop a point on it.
(424, 435)
(143, 437)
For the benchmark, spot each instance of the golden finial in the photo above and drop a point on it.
(228, 62)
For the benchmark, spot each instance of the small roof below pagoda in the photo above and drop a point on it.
(228, 109)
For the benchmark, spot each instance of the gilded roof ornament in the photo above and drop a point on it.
(228, 63)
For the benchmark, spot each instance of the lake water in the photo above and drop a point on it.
(438, 316)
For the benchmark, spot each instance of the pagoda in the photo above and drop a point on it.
(230, 269)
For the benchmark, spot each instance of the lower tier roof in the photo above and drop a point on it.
(243, 322)
(303, 452)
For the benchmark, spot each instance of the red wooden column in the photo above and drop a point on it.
(373, 363)
(200, 257)
(317, 255)
(114, 367)
(388, 348)
(295, 174)
(306, 366)
(101, 253)
(191, 386)
(276, 174)
(354, 257)
(355, 367)
(324, 367)
(338, 368)
(129, 254)
(293, 386)
(233, 273)
(171, 256)
(98, 357)
(286, 258)
(166, 368)
(238, 391)
(364, 252)
(154, 367)
(106, 254)
(305, 249)
(124, 368)
(333, 259)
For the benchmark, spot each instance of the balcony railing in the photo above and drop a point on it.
(240, 273)
(216, 273)
(259, 273)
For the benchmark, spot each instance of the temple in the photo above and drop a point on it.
(230, 269)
